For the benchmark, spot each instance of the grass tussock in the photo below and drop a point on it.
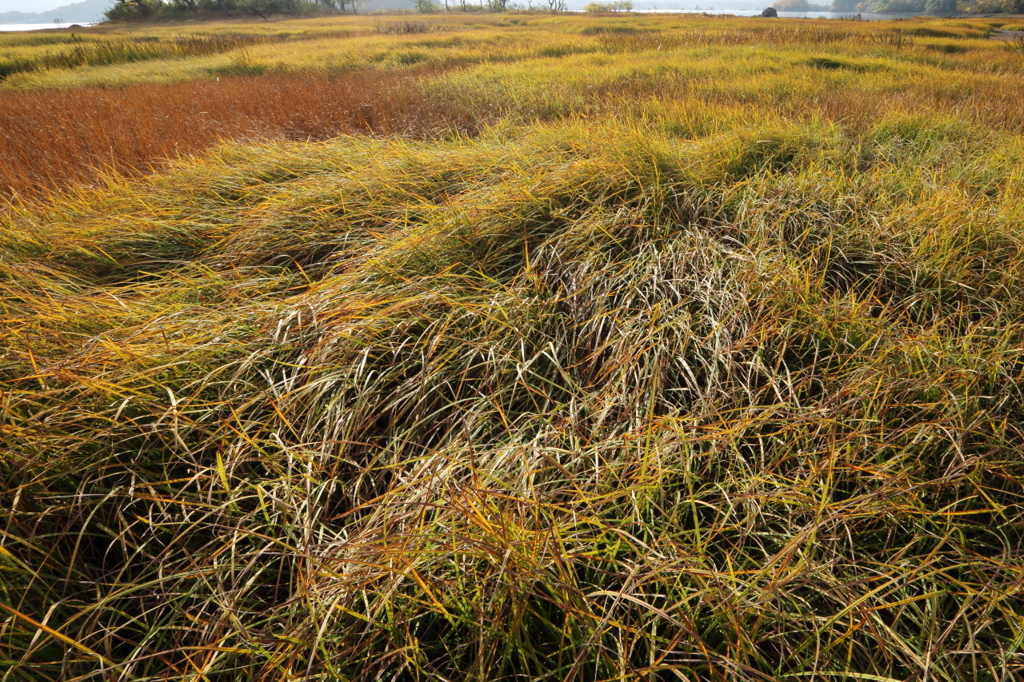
(571, 402)
(695, 361)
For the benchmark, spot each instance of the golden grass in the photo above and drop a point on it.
(616, 359)
(458, 40)
(455, 76)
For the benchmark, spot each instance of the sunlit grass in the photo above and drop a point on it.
(520, 73)
(355, 42)
(690, 352)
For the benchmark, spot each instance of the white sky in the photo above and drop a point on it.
(44, 5)
(32, 5)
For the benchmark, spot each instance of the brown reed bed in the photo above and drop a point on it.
(57, 138)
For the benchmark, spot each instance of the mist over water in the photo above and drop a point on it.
(868, 16)
(39, 27)
(741, 8)
(747, 10)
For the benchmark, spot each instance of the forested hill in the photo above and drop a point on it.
(133, 10)
(87, 11)
(937, 7)
(156, 9)
(943, 7)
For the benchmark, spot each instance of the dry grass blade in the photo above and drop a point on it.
(729, 390)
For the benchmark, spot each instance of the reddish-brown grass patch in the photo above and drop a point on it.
(55, 138)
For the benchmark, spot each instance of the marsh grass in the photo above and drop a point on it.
(577, 402)
(105, 52)
(81, 52)
(55, 138)
(403, 27)
(655, 373)
(460, 79)
(141, 49)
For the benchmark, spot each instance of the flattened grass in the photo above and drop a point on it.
(579, 401)
(615, 358)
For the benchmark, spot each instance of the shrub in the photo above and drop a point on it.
(617, 6)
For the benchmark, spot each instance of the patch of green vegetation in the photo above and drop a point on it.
(948, 48)
(830, 64)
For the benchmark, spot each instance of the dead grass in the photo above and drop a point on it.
(58, 138)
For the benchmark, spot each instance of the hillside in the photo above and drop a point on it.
(87, 11)
(513, 347)
(932, 7)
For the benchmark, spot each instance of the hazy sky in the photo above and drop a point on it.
(44, 5)
(33, 5)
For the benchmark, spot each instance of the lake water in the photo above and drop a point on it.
(866, 16)
(36, 27)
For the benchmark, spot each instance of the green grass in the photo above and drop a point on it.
(685, 366)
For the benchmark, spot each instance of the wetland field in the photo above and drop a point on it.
(513, 346)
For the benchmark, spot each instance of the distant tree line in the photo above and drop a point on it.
(136, 10)
(150, 10)
(941, 7)
(616, 6)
